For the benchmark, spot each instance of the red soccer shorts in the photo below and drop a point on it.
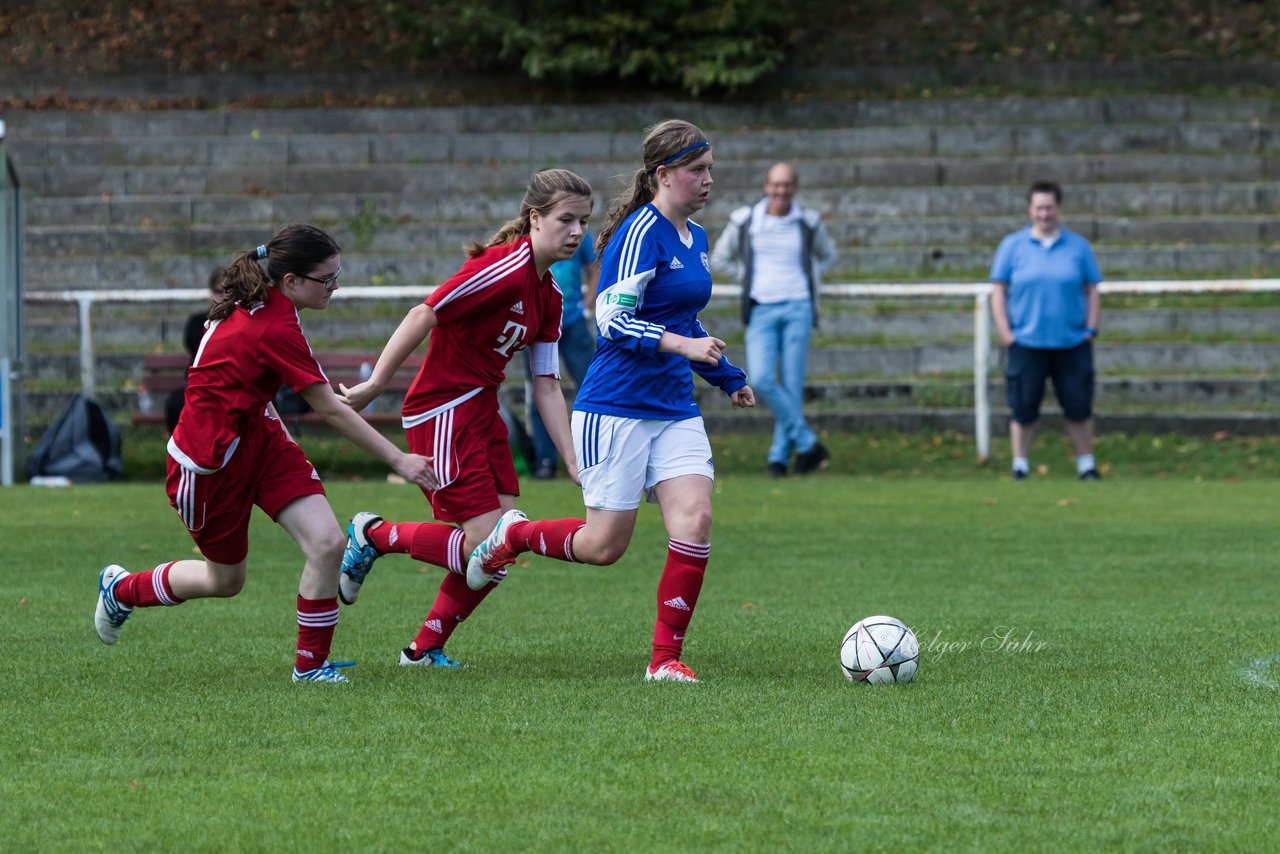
(472, 458)
(266, 469)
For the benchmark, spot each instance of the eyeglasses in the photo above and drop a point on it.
(329, 282)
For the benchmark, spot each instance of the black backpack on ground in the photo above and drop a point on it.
(82, 446)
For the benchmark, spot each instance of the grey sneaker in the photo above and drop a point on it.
(358, 557)
(494, 553)
(110, 616)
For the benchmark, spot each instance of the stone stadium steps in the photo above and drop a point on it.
(949, 420)
(1199, 362)
(1164, 186)
(427, 267)
(1134, 393)
(985, 231)
(1195, 405)
(115, 360)
(911, 190)
(946, 326)
(972, 263)
(1135, 184)
(340, 147)
(628, 118)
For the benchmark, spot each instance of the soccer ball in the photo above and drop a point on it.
(879, 651)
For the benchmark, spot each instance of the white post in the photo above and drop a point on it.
(6, 422)
(7, 264)
(981, 350)
(88, 386)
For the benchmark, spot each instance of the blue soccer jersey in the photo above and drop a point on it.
(650, 281)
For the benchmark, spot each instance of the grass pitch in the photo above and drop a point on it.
(1100, 670)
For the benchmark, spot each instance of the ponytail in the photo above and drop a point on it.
(243, 283)
(511, 230)
(297, 249)
(544, 192)
(672, 143)
(625, 204)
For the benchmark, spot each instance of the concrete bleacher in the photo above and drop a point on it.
(1165, 186)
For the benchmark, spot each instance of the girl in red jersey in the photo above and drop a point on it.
(501, 301)
(230, 451)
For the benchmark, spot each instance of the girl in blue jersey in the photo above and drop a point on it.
(636, 427)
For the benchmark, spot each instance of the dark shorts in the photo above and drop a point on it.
(1071, 371)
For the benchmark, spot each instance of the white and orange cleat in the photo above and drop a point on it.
(671, 671)
(493, 554)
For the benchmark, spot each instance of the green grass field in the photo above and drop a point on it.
(1100, 670)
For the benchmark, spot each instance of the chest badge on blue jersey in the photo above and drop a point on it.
(705, 264)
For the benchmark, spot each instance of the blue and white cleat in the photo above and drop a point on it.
(110, 616)
(493, 554)
(358, 557)
(327, 672)
(433, 657)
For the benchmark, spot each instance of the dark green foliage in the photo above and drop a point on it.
(696, 47)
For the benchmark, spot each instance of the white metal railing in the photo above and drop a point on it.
(979, 292)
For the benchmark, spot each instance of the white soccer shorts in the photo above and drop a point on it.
(621, 460)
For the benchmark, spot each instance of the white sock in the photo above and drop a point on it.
(1022, 464)
(1084, 462)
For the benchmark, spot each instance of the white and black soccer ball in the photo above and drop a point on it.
(879, 651)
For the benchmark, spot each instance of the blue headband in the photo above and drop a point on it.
(681, 153)
(262, 251)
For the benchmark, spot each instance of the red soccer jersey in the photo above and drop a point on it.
(242, 362)
(493, 307)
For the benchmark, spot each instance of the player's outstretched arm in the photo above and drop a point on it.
(411, 332)
(412, 467)
(549, 398)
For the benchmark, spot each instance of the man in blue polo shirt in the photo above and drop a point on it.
(1046, 307)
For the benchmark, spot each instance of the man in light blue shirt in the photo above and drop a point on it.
(1046, 309)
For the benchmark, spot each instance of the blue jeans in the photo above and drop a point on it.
(577, 346)
(777, 355)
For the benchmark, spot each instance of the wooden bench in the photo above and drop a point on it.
(162, 373)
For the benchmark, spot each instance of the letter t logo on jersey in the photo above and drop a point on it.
(512, 336)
